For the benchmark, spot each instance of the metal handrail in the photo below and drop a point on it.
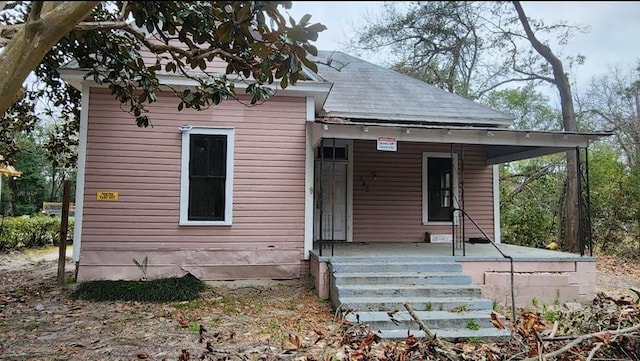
(513, 301)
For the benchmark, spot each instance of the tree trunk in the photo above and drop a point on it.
(570, 221)
(31, 43)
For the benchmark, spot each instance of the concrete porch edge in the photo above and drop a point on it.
(540, 275)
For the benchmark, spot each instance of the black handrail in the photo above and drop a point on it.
(513, 300)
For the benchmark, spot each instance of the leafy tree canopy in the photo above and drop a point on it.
(126, 45)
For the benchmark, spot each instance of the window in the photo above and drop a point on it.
(206, 190)
(439, 187)
(328, 152)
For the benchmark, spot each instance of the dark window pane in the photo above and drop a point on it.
(217, 156)
(439, 189)
(198, 156)
(206, 199)
(328, 151)
(207, 176)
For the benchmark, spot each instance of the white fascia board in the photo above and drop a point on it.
(469, 135)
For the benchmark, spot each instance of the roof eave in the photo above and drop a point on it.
(382, 117)
(318, 90)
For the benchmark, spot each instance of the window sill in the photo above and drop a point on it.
(439, 223)
(204, 223)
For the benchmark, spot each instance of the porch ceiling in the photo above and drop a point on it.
(502, 144)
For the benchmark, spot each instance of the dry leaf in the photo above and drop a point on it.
(496, 321)
(294, 342)
(142, 355)
(604, 337)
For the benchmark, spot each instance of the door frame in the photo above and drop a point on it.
(348, 143)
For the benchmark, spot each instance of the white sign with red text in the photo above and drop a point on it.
(387, 144)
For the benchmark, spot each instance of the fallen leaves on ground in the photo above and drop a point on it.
(284, 321)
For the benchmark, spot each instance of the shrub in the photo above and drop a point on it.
(30, 232)
(185, 288)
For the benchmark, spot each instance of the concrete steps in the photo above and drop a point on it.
(373, 291)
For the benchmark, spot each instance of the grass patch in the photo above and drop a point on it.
(184, 288)
(30, 326)
(473, 325)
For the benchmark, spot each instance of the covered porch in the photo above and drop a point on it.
(377, 202)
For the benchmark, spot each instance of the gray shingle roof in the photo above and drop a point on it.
(362, 90)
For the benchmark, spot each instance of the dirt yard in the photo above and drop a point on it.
(40, 321)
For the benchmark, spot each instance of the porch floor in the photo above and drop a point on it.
(473, 252)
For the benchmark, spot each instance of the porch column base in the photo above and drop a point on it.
(319, 271)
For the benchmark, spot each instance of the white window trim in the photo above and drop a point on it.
(184, 177)
(425, 193)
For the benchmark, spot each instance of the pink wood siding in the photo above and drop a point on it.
(143, 164)
(390, 210)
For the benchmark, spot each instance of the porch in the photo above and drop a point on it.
(542, 275)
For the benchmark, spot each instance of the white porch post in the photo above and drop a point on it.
(308, 181)
(82, 158)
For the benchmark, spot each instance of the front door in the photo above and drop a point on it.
(333, 181)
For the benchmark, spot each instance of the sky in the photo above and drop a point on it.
(613, 38)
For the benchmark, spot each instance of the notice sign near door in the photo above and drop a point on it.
(387, 144)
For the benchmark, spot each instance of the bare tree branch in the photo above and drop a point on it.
(124, 12)
(583, 338)
(34, 15)
(29, 46)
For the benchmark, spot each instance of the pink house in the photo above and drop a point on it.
(355, 160)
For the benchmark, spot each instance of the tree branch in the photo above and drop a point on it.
(496, 85)
(445, 346)
(531, 178)
(100, 25)
(34, 14)
(29, 45)
(123, 12)
(583, 338)
(534, 75)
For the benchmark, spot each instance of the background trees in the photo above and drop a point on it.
(495, 54)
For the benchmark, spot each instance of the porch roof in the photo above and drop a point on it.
(502, 144)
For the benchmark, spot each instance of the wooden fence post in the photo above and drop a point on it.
(64, 228)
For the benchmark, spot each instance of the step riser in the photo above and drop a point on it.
(486, 335)
(344, 291)
(431, 324)
(390, 259)
(418, 306)
(394, 267)
(453, 279)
